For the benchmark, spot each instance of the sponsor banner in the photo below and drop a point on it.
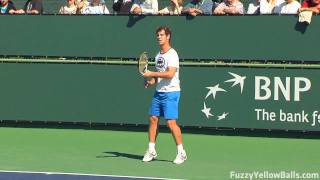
(259, 98)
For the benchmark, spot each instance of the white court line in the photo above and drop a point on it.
(83, 174)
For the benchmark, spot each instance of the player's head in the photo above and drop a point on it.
(163, 34)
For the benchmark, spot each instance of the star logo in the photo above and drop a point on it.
(206, 110)
(237, 80)
(214, 90)
(222, 116)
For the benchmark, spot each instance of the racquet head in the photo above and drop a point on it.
(143, 63)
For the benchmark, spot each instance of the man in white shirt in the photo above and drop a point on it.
(165, 101)
(267, 6)
(144, 7)
(229, 7)
(254, 7)
(96, 7)
(288, 7)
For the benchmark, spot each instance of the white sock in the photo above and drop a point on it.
(180, 148)
(152, 146)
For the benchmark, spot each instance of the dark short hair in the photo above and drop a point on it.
(166, 29)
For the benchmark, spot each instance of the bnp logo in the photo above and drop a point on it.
(265, 88)
(263, 91)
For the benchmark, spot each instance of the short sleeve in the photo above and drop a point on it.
(173, 59)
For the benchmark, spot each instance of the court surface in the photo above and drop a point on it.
(119, 153)
(26, 175)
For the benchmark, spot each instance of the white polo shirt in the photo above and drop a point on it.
(163, 61)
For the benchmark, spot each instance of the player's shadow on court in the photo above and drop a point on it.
(111, 154)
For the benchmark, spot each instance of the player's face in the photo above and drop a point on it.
(162, 37)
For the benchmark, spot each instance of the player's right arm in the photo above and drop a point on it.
(169, 73)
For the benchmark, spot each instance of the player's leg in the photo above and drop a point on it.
(170, 108)
(176, 133)
(154, 112)
(151, 152)
(153, 131)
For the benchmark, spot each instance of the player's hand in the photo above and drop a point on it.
(146, 84)
(149, 82)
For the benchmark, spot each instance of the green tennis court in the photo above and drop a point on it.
(210, 156)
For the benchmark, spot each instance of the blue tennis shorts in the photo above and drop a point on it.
(165, 104)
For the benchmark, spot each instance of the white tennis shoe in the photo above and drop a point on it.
(149, 155)
(181, 157)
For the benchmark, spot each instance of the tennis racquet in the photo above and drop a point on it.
(143, 63)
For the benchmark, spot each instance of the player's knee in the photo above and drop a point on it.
(153, 120)
(171, 124)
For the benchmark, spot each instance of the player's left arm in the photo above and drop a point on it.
(150, 81)
(169, 73)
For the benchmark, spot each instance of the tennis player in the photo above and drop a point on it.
(165, 102)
